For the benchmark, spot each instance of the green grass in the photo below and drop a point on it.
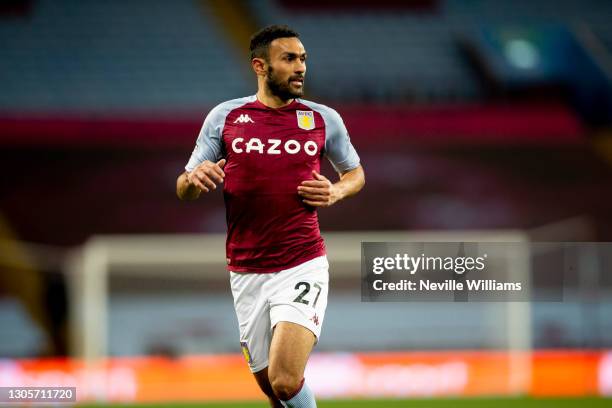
(412, 403)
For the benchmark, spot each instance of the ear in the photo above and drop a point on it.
(259, 66)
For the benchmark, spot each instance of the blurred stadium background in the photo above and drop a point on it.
(475, 119)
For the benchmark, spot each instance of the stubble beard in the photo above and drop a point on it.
(282, 89)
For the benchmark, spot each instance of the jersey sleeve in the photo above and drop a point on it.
(338, 148)
(209, 143)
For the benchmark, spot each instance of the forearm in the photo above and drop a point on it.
(350, 183)
(186, 190)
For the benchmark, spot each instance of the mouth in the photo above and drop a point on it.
(298, 82)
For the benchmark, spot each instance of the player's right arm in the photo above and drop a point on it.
(205, 167)
(203, 178)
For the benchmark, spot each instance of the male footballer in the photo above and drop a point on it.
(266, 149)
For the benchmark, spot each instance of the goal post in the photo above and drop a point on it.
(202, 257)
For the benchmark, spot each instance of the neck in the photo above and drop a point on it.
(272, 101)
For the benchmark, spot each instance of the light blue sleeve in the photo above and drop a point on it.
(338, 148)
(208, 145)
(210, 140)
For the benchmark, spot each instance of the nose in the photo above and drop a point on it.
(300, 67)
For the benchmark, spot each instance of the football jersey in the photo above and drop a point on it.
(269, 152)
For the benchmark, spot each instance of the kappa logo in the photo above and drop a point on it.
(244, 118)
(305, 119)
(315, 319)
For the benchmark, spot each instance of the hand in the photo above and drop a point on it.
(207, 174)
(319, 192)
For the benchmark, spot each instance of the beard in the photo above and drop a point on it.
(282, 89)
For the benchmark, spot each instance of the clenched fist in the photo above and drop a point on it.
(207, 175)
(318, 192)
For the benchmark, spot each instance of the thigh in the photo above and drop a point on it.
(297, 309)
(253, 314)
(290, 348)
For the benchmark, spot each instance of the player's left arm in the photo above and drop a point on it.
(321, 192)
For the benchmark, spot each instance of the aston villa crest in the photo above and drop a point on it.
(305, 119)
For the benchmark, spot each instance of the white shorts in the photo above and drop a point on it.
(261, 300)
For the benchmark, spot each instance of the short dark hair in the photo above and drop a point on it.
(260, 41)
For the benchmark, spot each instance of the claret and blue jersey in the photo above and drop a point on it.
(269, 152)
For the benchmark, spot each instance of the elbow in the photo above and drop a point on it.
(182, 189)
(179, 188)
(181, 196)
(362, 180)
(185, 196)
